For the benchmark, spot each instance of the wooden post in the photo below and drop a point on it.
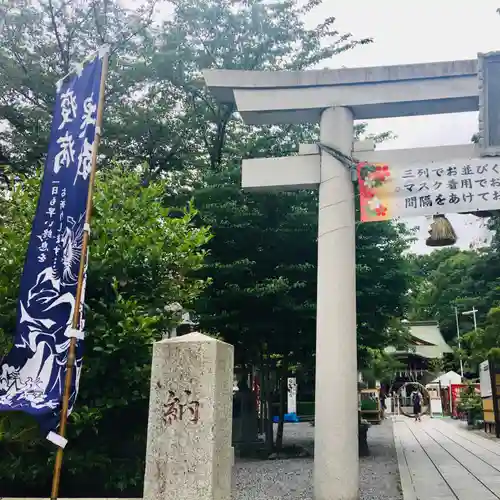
(79, 289)
(494, 396)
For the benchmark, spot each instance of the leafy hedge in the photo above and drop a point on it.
(140, 260)
(304, 408)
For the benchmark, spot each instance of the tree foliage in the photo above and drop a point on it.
(263, 263)
(156, 109)
(141, 261)
(40, 39)
(445, 283)
(451, 278)
(478, 345)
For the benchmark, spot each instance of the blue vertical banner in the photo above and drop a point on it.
(32, 375)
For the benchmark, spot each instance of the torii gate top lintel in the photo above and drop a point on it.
(278, 97)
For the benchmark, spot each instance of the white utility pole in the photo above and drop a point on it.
(472, 313)
(458, 338)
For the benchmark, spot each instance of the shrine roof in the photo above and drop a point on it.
(427, 341)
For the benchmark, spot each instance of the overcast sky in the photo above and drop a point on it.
(407, 32)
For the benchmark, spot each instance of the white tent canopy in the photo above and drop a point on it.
(448, 379)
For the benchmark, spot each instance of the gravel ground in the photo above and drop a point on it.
(291, 479)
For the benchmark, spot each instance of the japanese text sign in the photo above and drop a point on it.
(32, 375)
(456, 186)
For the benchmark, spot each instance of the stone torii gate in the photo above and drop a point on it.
(335, 98)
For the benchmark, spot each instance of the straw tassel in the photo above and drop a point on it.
(441, 232)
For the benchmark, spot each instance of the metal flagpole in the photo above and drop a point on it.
(76, 312)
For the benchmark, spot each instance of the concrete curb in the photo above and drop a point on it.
(407, 487)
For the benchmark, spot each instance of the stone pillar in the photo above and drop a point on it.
(336, 463)
(292, 395)
(189, 453)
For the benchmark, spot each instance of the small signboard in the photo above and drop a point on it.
(292, 395)
(455, 186)
(489, 103)
(436, 407)
(485, 379)
(491, 403)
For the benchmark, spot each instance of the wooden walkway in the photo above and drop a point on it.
(440, 460)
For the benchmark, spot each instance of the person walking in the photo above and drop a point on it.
(416, 398)
(383, 406)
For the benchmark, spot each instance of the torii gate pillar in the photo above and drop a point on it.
(336, 463)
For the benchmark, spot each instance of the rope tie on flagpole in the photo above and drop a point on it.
(57, 439)
(75, 333)
(86, 228)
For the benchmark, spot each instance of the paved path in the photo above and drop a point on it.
(440, 461)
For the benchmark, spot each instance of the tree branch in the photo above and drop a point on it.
(146, 23)
(63, 53)
(100, 32)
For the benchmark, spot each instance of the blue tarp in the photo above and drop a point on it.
(289, 417)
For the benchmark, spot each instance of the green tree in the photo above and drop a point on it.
(452, 278)
(382, 367)
(263, 263)
(141, 259)
(40, 39)
(447, 279)
(424, 265)
(156, 109)
(478, 345)
(263, 255)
